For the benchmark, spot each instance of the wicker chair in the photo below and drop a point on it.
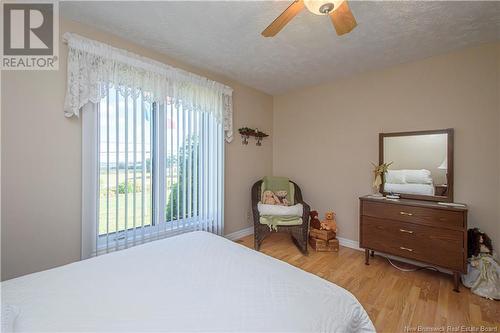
(299, 233)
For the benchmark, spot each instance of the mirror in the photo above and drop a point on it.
(421, 164)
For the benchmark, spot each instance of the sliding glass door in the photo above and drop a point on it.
(160, 170)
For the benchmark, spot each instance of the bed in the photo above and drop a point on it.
(409, 181)
(192, 282)
(421, 189)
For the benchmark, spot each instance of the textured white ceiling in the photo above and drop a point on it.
(224, 37)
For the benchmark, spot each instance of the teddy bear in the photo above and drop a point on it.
(314, 221)
(269, 198)
(329, 222)
(281, 195)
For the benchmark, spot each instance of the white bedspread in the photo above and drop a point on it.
(192, 282)
(422, 189)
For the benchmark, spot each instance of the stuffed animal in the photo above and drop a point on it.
(329, 222)
(314, 221)
(269, 198)
(283, 201)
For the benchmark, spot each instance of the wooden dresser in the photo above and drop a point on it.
(415, 229)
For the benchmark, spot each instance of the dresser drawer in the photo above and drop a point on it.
(441, 247)
(421, 215)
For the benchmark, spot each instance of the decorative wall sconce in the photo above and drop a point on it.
(259, 136)
(247, 132)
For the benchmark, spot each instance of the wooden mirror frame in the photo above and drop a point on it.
(449, 132)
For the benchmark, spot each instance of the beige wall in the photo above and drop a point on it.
(497, 240)
(41, 162)
(326, 136)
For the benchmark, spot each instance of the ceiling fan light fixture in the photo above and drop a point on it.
(338, 11)
(322, 7)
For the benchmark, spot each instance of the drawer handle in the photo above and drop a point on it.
(405, 213)
(406, 249)
(407, 231)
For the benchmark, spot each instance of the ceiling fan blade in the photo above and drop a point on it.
(283, 19)
(343, 20)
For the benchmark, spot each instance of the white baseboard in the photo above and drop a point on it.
(343, 242)
(349, 243)
(239, 234)
(248, 231)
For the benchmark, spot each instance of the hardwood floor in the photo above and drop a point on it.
(394, 300)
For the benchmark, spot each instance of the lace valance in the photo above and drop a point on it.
(93, 67)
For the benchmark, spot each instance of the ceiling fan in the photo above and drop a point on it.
(338, 10)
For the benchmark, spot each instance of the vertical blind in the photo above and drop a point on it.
(160, 170)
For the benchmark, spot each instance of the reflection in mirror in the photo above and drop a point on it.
(419, 164)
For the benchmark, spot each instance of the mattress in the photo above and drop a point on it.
(192, 282)
(422, 189)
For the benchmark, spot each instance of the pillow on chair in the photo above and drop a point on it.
(275, 215)
(276, 210)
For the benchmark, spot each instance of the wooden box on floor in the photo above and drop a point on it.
(321, 245)
(325, 235)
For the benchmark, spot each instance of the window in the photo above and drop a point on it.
(150, 170)
(125, 171)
